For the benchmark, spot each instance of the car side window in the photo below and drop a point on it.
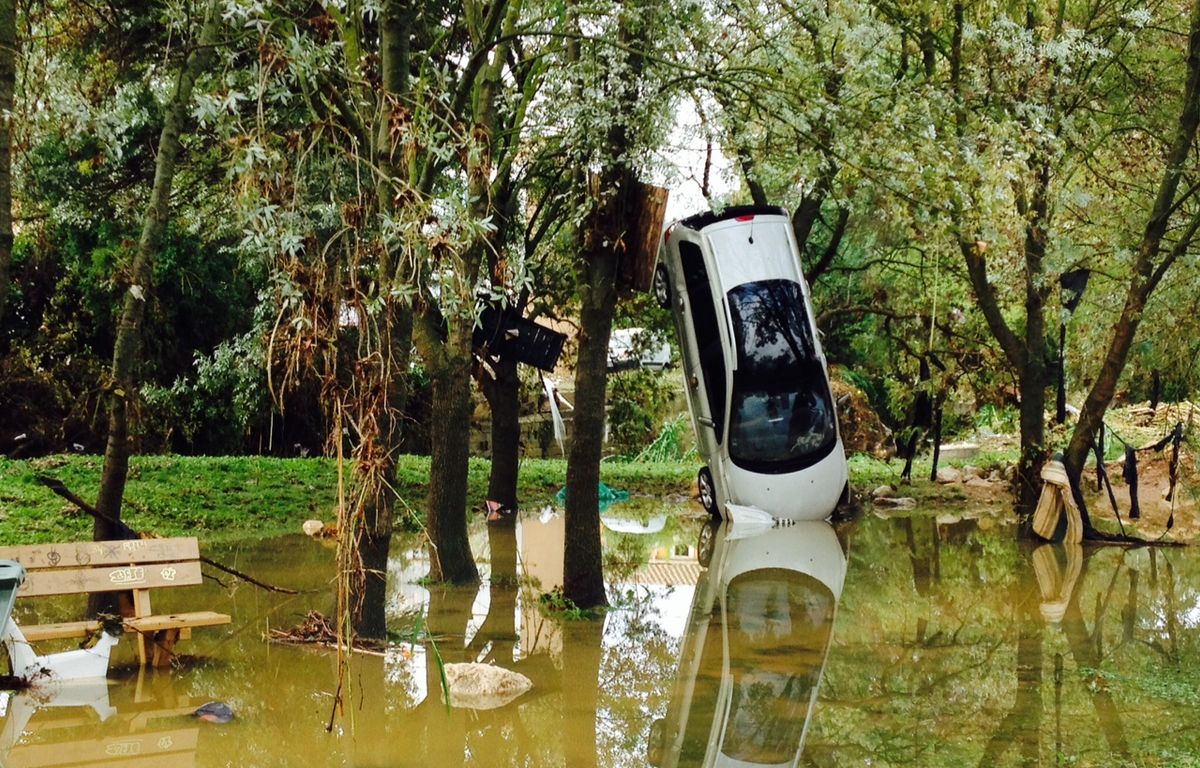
(707, 330)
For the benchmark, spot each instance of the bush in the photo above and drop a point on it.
(638, 404)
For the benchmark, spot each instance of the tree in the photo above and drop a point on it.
(1169, 233)
(138, 281)
(626, 124)
(8, 76)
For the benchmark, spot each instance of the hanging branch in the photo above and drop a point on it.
(56, 485)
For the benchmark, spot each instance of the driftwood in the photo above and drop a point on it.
(56, 485)
(315, 629)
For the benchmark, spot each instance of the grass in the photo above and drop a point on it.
(230, 498)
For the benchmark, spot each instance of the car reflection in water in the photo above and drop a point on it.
(757, 637)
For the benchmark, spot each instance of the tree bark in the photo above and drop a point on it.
(8, 76)
(127, 349)
(504, 398)
(450, 556)
(583, 574)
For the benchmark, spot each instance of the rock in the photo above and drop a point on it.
(971, 471)
(958, 451)
(883, 492)
(977, 482)
(948, 475)
(484, 686)
(995, 476)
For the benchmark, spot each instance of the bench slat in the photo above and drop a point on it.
(70, 581)
(83, 553)
(178, 621)
(38, 632)
(195, 619)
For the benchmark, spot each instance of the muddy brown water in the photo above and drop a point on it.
(900, 641)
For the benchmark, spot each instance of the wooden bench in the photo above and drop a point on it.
(136, 566)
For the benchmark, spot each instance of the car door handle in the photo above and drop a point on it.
(707, 422)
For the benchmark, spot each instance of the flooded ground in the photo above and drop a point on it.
(901, 641)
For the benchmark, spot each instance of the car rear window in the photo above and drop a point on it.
(781, 417)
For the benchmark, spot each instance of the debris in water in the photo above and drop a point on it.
(215, 712)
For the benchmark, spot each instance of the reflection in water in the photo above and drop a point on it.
(99, 724)
(951, 644)
(756, 643)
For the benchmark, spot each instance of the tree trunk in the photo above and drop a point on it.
(1033, 438)
(367, 559)
(504, 397)
(450, 371)
(127, 349)
(613, 192)
(583, 574)
(8, 76)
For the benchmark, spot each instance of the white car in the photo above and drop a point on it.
(756, 377)
(632, 348)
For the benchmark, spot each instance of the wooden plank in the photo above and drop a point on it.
(69, 581)
(157, 748)
(82, 553)
(182, 621)
(177, 621)
(38, 632)
(642, 241)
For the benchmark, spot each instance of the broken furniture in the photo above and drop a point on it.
(134, 566)
(83, 664)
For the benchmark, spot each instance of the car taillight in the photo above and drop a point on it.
(745, 218)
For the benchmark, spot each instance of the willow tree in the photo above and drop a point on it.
(136, 278)
(612, 109)
(1030, 115)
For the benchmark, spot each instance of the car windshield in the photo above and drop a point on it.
(781, 415)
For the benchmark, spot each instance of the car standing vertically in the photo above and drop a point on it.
(756, 377)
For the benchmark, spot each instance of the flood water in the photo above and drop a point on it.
(898, 641)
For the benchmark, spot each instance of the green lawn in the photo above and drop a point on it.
(224, 498)
(229, 498)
